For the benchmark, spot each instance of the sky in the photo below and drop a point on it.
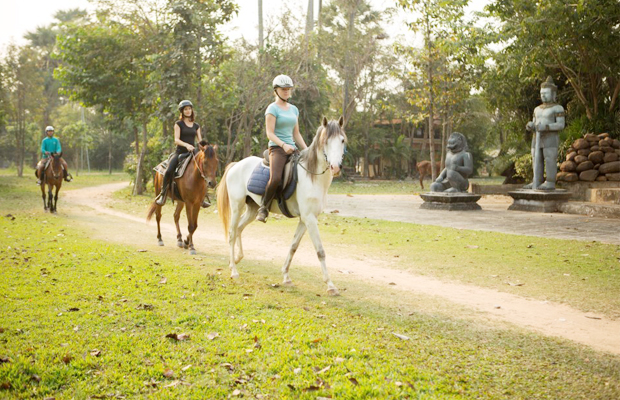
(20, 16)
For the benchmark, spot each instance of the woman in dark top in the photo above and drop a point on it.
(186, 131)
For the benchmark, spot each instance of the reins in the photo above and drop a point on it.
(315, 173)
(202, 175)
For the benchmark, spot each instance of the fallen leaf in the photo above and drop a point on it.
(398, 335)
(392, 284)
(469, 246)
(213, 335)
(168, 373)
(353, 381)
(312, 388)
(35, 378)
(163, 280)
(142, 251)
(228, 366)
(324, 370)
(95, 353)
(178, 336)
(515, 284)
(74, 309)
(334, 211)
(4, 359)
(186, 367)
(297, 371)
(67, 358)
(236, 392)
(145, 307)
(349, 195)
(5, 385)
(592, 316)
(344, 271)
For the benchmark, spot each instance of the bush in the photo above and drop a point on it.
(523, 166)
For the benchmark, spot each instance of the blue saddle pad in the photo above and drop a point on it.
(259, 179)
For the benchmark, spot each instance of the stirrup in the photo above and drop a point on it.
(39, 182)
(205, 204)
(161, 199)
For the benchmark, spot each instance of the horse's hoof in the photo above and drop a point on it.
(160, 242)
(180, 244)
(333, 292)
(288, 283)
(238, 260)
(234, 275)
(192, 252)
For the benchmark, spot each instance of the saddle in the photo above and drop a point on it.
(260, 177)
(184, 160)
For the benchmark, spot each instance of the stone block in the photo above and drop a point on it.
(596, 157)
(590, 137)
(538, 200)
(571, 155)
(579, 159)
(613, 176)
(616, 144)
(583, 152)
(610, 167)
(584, 166)
(594, 148)
(568, 176)
(610, 157)
(450, 201)
(605, 142)
(607, 149)
(568, 166)
(601, 178)
(602, 136)
(589, 175)
(581, 144)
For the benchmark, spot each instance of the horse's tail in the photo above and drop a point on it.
(153, 206)
(152, 209)
(223, 202)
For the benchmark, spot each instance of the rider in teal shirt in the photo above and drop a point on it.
(51, 145)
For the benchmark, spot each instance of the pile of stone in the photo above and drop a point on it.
(592, 158)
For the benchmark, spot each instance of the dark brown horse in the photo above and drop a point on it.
(192, 187)
(424, 169)
(52, 177)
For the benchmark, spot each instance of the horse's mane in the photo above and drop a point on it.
(311, 154)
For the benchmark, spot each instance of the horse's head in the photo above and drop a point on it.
(333, 142)
(209, 162)
(56, 165)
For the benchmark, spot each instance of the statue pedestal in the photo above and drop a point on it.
(450, 201)
(538, 200)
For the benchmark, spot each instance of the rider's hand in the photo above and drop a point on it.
(189, 147)
(288, 149)
(47, 153)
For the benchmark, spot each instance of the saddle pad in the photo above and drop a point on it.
(183, 163)
(260, 177)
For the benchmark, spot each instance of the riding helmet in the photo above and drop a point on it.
(49, 128)
(184, 104)
(282, 81)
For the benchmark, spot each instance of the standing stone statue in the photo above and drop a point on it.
(549, 120)
(459, 166)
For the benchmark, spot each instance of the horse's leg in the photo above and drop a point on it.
(43, 196)
(313, 230)
(160, 242)
(177, 215)
(246, 219)
(49, 198)
(192, 219)
(299, 233)
(233, 232)
(57, 187)
(422, 179)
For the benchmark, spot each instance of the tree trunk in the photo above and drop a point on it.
(431, 133)
(110, 153)
(444, 139)
(347, 68)
(138, 187)
(260, 24)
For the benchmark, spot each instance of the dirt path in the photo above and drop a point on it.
(541, 316)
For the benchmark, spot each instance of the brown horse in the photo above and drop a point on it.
(192, 187)
(52, 177)
(424, 169)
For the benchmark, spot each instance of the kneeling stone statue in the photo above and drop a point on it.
(459, 166)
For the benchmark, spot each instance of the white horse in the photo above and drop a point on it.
(323, 155)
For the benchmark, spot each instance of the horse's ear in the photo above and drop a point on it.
(324, 121)
(341, 121)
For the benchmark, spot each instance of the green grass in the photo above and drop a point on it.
(65, 298)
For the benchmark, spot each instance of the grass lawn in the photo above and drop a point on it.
(83, 318)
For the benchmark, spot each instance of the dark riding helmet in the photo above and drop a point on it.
(184, 104)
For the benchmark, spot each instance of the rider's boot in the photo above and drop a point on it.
(205, 203)
(39, 175)
(263, 213)
(68, 177)
(161, 198)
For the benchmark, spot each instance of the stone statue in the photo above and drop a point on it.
(549, 120)
(459, 166)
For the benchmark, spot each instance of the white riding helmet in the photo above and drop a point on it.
(49, 128)
(282, 81)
